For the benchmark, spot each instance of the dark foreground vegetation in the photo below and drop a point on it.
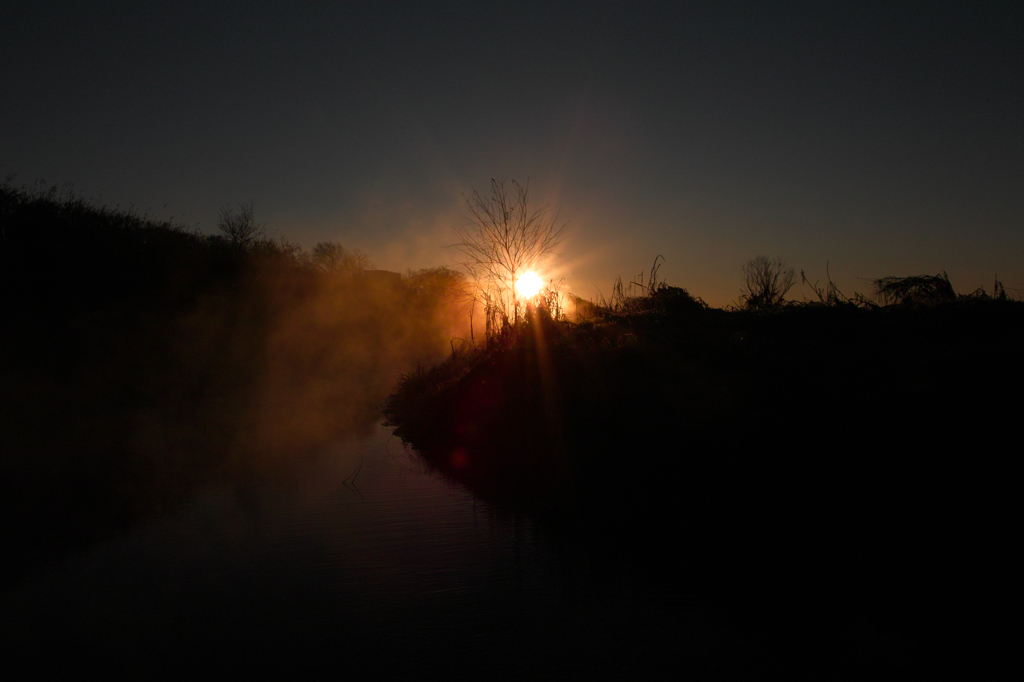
(141, 359)
(842, 463)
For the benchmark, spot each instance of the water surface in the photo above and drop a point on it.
(358, 558)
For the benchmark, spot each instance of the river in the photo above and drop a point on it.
(359, 559)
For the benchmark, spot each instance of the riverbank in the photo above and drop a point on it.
(825, 457)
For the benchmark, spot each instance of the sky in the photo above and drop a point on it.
(875, 138)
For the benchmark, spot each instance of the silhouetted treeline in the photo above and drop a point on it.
(830, 458)
(140, 358)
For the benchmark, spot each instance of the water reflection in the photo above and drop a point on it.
(393, 569)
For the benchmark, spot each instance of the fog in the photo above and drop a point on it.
(150, 361)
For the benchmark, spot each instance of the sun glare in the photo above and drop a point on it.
(529, 284)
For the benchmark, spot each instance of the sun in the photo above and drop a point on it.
(529, 284)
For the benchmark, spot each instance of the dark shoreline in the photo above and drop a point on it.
(822, 462)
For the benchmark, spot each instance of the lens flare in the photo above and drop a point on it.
(529, 284)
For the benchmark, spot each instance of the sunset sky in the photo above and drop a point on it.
(882, 138)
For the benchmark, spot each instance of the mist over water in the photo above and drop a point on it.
(194, 472)
(145, 362)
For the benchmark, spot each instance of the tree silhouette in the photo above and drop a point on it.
(766, 281)
(333, 257)
(241, 226)
(503, 239)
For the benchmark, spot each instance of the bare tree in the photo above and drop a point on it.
(766, 282)
(503, 239)
(333, 257)
(241, 227)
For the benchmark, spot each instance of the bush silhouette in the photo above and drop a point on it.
(766, 282)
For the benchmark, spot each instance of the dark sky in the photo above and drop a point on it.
(884, 138)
